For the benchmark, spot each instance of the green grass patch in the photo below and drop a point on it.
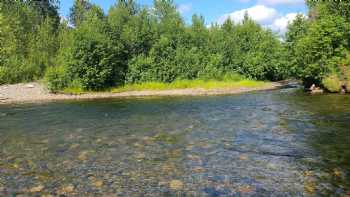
(185, 84)
(74, 90)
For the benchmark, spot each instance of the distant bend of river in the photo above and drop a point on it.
(271, 143)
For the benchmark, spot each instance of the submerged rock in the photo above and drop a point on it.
(98, 183)
(245, 189)
(36, 189)
(67, 189)
(176, 185)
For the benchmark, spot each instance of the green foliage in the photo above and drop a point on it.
(131, 44)
(94, 60)
(28, 39)
(78, 11)
(332, 83)
(319, 45)
(56, 78)
(2, 75)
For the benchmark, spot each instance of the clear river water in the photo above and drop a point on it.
(270, 143)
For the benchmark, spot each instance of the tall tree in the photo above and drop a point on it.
(78, 11)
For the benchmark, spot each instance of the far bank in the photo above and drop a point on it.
(37, 92)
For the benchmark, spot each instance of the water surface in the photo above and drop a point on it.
(272, 143)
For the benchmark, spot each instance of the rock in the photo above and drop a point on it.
(36, 189)
(310, 187)
(337, 172)
(245, 189)
(98, 183)
(317, 91)
(307, 173)
(243, 158)
(29, 86)
(198, 170)
(67, 189)
(83, 155)
(176, 185)
(313, 87)
(168, 167)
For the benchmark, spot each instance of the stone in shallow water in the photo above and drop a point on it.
(337, 172)
(37, 188)
(310, 187)
(245, 189)
(198, 170)
(98, 183)
(83, 155)
(243, 158)
(67, 189)
(176, 185)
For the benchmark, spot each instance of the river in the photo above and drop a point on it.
(270, 143)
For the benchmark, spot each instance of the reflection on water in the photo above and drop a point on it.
(276, 143)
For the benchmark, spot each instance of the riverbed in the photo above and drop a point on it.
(270, 143)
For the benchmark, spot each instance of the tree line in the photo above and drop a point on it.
(131, 43)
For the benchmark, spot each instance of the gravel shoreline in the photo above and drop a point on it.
(36, 92)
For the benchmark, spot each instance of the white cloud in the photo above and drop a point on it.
(184, 8)
(266, 16)
(259, 13)
(280, 24)
(280, 2)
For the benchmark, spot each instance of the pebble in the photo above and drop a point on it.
(67, 189)
(35, 189)
(176, 185)
(198, 170)
(98, 183)
(83, 155)
(245, 189)
(243, 158)
(29, 86)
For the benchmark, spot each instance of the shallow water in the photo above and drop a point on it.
(272, 143)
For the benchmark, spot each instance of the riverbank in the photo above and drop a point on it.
(37, 92)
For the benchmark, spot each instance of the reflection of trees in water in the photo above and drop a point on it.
(329, 134)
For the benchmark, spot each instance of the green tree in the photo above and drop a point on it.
(95, 61)
(78, 11)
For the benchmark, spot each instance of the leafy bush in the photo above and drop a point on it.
(56, 78)
(212, 68)
(2, 75)
(233, 76)
(140, 70)
(332, 83)
(94, 60)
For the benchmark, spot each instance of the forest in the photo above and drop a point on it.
(132, 44)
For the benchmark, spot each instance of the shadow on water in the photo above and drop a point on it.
(273, 143)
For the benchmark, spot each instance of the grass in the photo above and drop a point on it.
(74, 90)
(185, 84)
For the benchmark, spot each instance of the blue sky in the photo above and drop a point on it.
(274, 14)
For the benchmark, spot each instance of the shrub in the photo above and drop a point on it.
(232, 76)
(212, 68)
(2, 75)
(56, 79)
(74, 87)
(140, 70)
(332, 83)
